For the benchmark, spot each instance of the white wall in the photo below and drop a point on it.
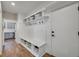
(48, 36)
(1, 38)
(30, 33)
(19, 26)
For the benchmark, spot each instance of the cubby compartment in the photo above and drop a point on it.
(37, 51)
(37, 18)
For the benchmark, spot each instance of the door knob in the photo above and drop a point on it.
(52, 35)
(52, 31)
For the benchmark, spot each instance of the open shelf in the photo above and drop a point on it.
(37, 18)
(34, 49)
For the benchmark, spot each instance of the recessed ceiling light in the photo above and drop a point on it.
(12, 3)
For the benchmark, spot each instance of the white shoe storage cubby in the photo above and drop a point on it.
(36, 50)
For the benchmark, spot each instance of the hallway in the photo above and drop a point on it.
(12, 49)
(39, 28)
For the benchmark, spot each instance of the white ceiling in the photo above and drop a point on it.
(25, 7)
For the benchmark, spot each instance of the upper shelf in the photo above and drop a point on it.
(37, 18)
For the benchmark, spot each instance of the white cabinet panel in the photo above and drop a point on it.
(66, 41)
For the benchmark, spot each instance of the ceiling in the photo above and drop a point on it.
(25, 7)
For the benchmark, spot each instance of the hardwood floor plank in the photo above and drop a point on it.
(12, 49)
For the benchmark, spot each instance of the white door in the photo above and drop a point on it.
(65, 41)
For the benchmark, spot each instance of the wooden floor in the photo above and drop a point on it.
(12, 49)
